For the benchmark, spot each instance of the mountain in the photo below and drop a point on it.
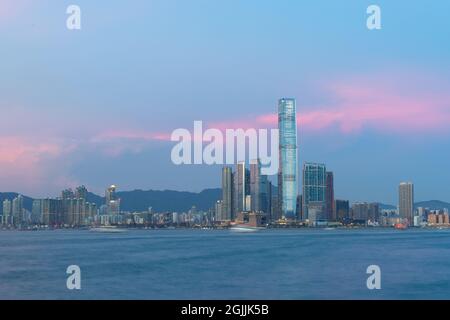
(167, 200)
(27, 201)
(433, 204)
(384, 206)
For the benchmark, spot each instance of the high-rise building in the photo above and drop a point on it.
(81, 192)
(316, 212)
(36, 211)
(17, 210)
(255, 185)
(260, 190)
(406, 201)
(288, 170)
(219, 213)
(299, 207)
(111, 201)
(110, 193)
(342, 210)
(67, 194)
(275, 207)
(7, 212)
(314, 186)
(227, 194)
(52, 212)
(241, 187)
(329, 197)
(364, 211)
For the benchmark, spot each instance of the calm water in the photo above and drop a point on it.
(202, 264)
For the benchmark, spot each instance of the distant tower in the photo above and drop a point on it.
(17, 210)
(227, 194)
(329, 197)
(7, 210)
(81, 192)
(111, 201)
(406, 201)
(288, 170)
(241, 187)
(110, 193)
(314, 186)
(255, 185)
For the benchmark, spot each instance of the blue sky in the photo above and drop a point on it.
(88, 106)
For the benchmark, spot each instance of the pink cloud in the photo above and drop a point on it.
(385, 106)
(23, 160)
(129, 135)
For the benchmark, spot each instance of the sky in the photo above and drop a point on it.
(96, 106)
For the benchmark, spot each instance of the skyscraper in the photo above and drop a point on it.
(17, 210)
(342, 210)
(241, 187)
(364, 211)
(7, 209)
(406, 201)
(81, 192)
(255, 185)
(110, 194)
(111, 201)
(329, 197)
(36, 211)
(227, 194)
(314, 187)
(288, 171)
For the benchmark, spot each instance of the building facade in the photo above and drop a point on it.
(329, 197)
(288, 169)
(227, 195)
(406, 201)
(314, 186)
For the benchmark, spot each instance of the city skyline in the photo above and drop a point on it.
(376, 109)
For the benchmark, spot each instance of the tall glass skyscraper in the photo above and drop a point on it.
(227, 194)
(241, 187)
(288, 170)
(314, 188)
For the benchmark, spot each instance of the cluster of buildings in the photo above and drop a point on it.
(249, 197)
(71, 209)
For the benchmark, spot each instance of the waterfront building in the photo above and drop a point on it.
(36, 211)
(260, 189)
(329, 196)
(314, 185)
(52, 212)
(112, 201)
(241, 187)
(342, 210)
(17, 210)
(406, 201)
(7, 212)
(227, 195)
(288, 169)
(220, 215)
(364, 211)
(316, 212)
